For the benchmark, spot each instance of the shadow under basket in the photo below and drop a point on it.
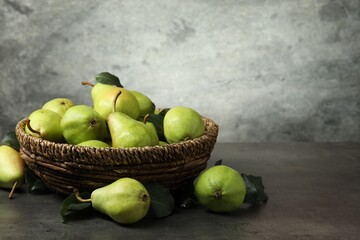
(65, 167)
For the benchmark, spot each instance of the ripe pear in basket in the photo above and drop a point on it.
(64, 167)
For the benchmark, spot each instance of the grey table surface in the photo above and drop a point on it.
(313, 189)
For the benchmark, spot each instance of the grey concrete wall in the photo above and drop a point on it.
(264, 70)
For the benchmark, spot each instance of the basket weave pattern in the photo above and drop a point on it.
(64, 167)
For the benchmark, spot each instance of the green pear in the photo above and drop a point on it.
(11, 168)
(150, 125)
(94, 143)
(45, 124)
(103, 97)
(220, 189)
(81, 123)
(126, 200)
(182, 123)
(145, 103)
(58, 105)
(127, 132)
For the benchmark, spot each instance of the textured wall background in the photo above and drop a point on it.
(264, 70)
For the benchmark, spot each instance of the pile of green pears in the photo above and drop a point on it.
(119, 118)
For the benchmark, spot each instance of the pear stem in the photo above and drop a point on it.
(115, 99)
(144, 197)
(87, 83)
(218, 194)
(146, 118)
(12, 190)
(79, 198)
(30, 128)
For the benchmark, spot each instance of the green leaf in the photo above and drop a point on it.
(108, 78)
(218, 162)
(35, 184)
(255, 193)
(10, 139)
(162, 202)
(158, 121)
(71, 207)
(184, 196)
(163, 111)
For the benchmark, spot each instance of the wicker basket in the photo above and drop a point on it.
(64, 167)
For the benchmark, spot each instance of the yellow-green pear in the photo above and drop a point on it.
(150, 125)
(81, 123)
(45, 124)
(220, 189)
(58, 105)
(127, 132)
(126, 200)
(11, 168)
(182, 123)
(146, 105)
(103, 96)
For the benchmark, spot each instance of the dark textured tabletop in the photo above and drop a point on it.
(313, 189)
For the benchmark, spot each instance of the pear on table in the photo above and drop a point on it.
(11, 169)
(126, 200)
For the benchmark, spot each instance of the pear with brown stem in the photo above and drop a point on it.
(127, 132)
(126, 200)
(11, 169)
(45, 124)
(103, 96)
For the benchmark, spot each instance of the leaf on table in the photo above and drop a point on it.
(255, 193)
(35, 184)
(71, 207)
(10, 139)
(184, 196)
(162, 202)
(218, 162)
(108, 78)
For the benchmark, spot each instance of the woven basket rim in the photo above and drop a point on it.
(211, 132)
